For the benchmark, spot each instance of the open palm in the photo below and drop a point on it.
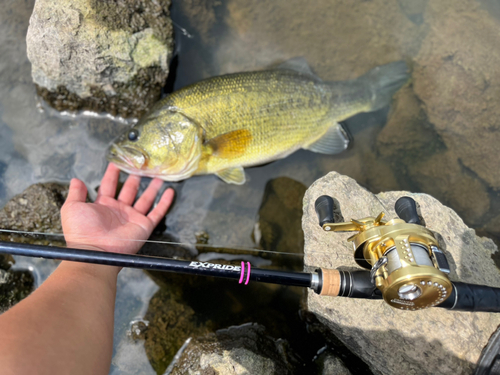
(109, 224)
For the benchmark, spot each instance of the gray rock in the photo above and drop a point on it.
(241, 350)
(332, 365)
(100, 55)
(37, 209)
(432, 341)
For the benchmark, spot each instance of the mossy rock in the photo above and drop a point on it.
(104, 56)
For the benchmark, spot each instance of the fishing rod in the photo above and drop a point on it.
(404, 264)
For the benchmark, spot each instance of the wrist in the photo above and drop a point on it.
(85, 272)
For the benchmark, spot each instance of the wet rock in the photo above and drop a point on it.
(413, 9)
(218, 302)
(453, 77)
(170, 324)
(107, 56)
(14, 285)
(333, 348)
(360, 33)
(280, 215)
(392, 341)
(331, 364)
(279, 219)
(34, 210)
(37, 209)
(420, 159)
(468, 195)
(237, 350)
(189, 306)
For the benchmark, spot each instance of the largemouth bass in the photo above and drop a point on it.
(223, 124)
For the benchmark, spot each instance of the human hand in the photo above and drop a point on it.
(109, 224)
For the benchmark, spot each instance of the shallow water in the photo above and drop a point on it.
(405, 147)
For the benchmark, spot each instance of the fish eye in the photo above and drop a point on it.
(133, 135)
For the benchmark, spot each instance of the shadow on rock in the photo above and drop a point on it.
(410, 364)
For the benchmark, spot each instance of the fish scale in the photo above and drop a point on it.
(225, 123)
(289, 108)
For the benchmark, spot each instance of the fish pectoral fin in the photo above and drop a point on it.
(234, 175)
(231, 144)
(335, 140)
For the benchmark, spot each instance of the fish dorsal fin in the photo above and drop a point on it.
(300, 65)
(335, 140)
(231, 144)
(234, 175)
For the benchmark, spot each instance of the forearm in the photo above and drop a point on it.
(65, 326)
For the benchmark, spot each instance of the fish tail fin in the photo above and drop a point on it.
(384, 81)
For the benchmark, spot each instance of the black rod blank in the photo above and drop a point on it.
(158, 264)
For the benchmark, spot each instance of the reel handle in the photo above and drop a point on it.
(406, 208)
(324, 209)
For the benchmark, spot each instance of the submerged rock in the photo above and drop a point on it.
(457, 86)
(37, 209)
(279, 220)
(190, 306)
(107, 56)
(245, 349)
(34, 210)
(170, 321)
(14, 285)
(280, 212)
(214, 303)
(392, 341)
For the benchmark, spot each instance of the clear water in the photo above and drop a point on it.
(340, 41)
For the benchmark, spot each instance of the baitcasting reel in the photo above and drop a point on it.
(405, 261)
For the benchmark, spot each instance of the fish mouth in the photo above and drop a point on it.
(127, 157)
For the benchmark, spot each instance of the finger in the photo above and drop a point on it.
(129, 189)
(147, 198)
(77, 191)
(109, 182)
(162, 207)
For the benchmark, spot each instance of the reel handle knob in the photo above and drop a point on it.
(324, 209)
(406, 208)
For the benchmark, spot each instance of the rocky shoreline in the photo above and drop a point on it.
(392, 341)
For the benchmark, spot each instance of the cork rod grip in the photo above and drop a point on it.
(331, 283)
